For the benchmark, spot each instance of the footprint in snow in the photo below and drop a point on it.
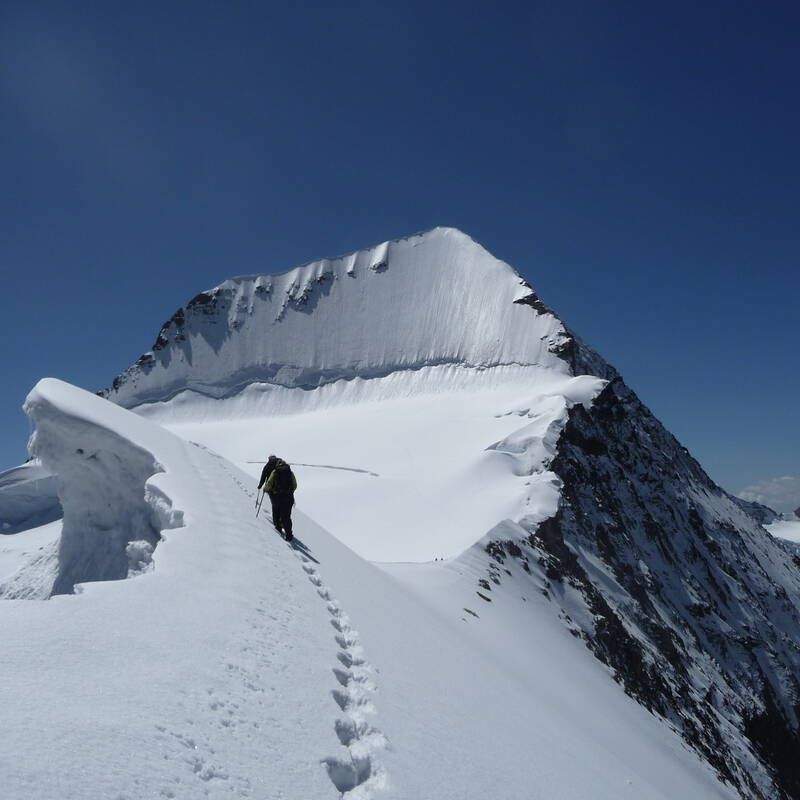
(359, 769)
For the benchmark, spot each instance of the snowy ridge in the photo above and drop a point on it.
(434, 299)
(359, 774)
(673, 585)
(185, 657)
(219, 664)
(104, 540)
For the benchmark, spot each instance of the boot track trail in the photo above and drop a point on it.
(355, 772)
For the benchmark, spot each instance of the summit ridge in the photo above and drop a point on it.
(433, 298)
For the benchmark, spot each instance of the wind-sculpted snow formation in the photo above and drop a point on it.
(113, 513)
(435, 408)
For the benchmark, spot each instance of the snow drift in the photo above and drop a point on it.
(112, 512)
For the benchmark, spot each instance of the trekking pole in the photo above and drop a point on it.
(259, 501)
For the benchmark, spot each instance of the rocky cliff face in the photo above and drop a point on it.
(673, 584)
(760, 513)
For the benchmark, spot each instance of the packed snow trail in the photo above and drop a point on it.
(357, 774)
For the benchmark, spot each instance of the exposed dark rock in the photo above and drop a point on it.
(533, 300)
(202, 301)
(758, 511)
(701, 621)
(591, 445)
(777, 740)
(174, 323)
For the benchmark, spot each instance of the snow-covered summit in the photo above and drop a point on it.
(430, 299)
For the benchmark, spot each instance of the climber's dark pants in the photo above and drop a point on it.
(282, 503)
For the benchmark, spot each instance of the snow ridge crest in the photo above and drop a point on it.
(114, 510)
(433, 298)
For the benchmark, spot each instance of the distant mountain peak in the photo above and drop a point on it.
(432, 298)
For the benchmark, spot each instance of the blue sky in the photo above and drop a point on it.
(639, 164)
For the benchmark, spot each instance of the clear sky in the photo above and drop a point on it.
(636, 161)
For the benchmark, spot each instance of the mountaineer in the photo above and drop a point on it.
(281, 486)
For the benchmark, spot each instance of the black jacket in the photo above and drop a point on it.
(266, 472)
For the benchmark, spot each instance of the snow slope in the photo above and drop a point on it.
(20, 549)
(437, 455)
(27, 497)
(435, 298)
(238, 666)
(785, 529)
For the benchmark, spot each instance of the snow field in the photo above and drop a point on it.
(451, 418)
(412, 467)
(785, 529)
(504, 704)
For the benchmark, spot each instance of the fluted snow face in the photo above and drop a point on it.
(431, 299)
